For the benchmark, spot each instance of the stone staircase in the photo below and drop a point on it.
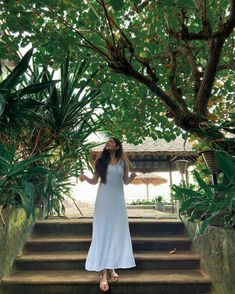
(54, 258)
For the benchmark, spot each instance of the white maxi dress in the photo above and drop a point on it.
(111, 246)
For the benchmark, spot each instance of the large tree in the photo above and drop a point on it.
(164, 60)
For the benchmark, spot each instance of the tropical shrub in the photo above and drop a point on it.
(210, 204)
(17, 105)
(16, 187)
(64, 122)
(17, 168)
(44, 128)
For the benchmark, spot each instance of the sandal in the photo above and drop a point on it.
(104, 285)
(113, 276)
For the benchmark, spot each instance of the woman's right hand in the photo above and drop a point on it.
(82, 178)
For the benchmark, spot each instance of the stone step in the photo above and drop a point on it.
(77, 243)
(72, 260)
(84, 227)
(138, 282)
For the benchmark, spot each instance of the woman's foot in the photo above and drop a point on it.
(113, 276)
(104, 285)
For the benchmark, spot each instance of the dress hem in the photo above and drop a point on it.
(108, 267)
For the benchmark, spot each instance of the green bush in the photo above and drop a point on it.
(44, 126)
(154, 201)
(211, 204)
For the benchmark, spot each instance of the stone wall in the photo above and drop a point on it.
(217, 251)
(13, 237)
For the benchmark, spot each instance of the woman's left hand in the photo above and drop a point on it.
(133, 175)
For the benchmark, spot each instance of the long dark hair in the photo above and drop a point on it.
(101, 164)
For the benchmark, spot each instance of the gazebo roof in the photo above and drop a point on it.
(153, 155)
(160, 147)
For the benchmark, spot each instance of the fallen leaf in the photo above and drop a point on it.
(172, 251)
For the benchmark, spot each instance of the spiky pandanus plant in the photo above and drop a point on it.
(52, 118)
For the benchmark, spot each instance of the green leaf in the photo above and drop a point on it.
(27, 195)
(23, 165)
(188, 203)
(205, 223)
(180, 192)
(15, 75)
(204, 186)
(227, 164)
(2, 104)
(35, 88)
(117, 4)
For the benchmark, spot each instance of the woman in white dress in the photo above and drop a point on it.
(111, 246)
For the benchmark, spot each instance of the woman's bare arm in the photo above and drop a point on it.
(92, 181)
(126, 178)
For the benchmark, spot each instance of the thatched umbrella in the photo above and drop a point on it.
(148, 178)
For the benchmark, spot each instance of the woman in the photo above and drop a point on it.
(111, 246)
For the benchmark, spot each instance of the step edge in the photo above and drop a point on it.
(21, 260)
(87, 238)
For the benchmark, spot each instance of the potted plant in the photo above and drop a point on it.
(159, 204)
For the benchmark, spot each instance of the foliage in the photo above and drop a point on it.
(211, 140)
(17, 171)
(16, 105)
(162, 65)
(48, 119)
(201, 145)
(157, 199)
(181, 51)
(16, 187)
(55, 186)
(211, 204)
(64, 123)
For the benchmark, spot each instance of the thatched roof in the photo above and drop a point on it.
(153, 155)
(160, 147)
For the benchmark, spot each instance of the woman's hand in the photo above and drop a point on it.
(82, 178)
(133, 175)
(91, 181)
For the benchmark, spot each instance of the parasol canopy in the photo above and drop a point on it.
(148, 178)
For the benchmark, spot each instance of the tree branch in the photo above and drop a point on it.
(230, 24)
(125, 68)
(177, 93)
(95, 48)
(206, 33)
(187, 52)
(111, 19)
(201, 6)
(108, 20)
(138, 8)
(93, 9)
(204, 93)
(126, 42)
(216, 46)
(146, 64)
(227, 66)
(36, 141)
